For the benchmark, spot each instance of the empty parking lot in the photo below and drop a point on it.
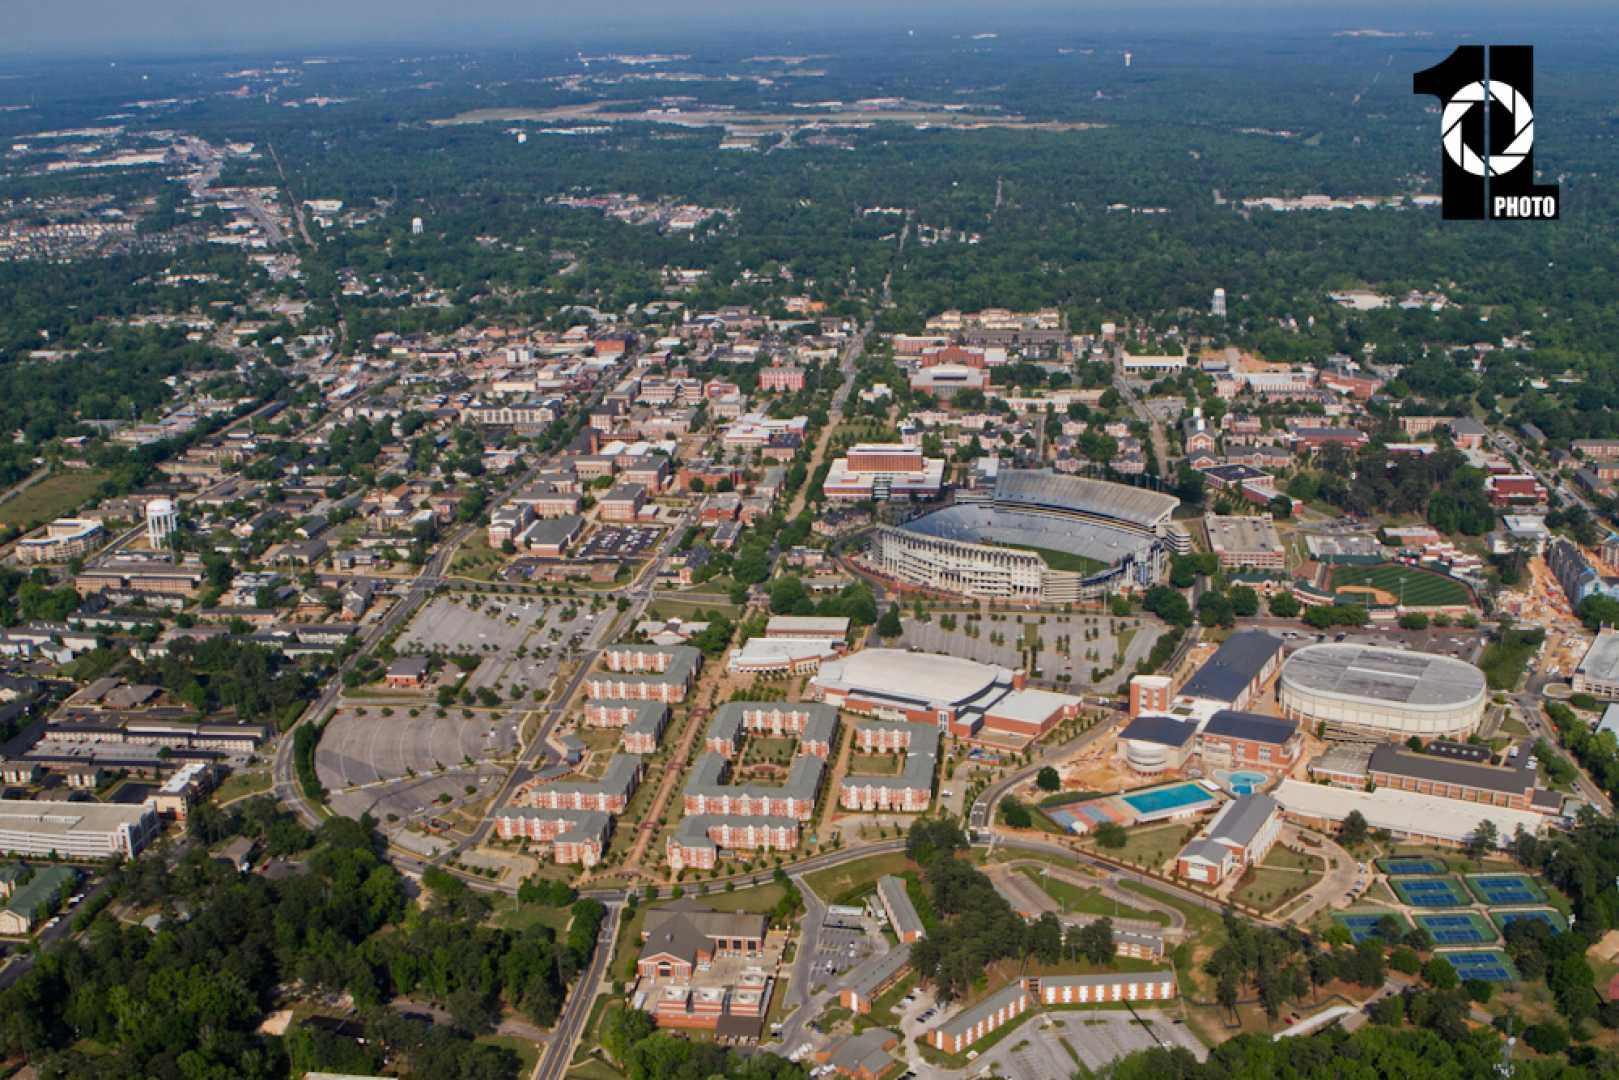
(1039, 1049)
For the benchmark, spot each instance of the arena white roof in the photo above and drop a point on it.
(1368, 672)
(1039, 487)
(1404, 811)
(925, 677)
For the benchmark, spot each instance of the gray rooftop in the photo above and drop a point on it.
(1242, 535)
(620, 777)
(707, 778)
(897, 902)
(1164, 730)
(921, 759)
(1420, 680)
(963, 1021)
(1226, 674)
(1601, 660)
(866, 978)
(1242, 818)
(1397, 761)
(1254, 727)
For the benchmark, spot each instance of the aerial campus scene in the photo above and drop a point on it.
(881, 541)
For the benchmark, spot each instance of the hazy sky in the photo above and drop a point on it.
(141, 26)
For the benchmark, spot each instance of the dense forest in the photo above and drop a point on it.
(186, 999)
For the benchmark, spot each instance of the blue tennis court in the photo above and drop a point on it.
(1506, 889)
(1553, 919)
(1363, 925)
(1429, 892)
(1410, 864)
(1490, 965)
(1456, 928)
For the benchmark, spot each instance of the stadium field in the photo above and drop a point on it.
(1404, 584)
(1063, 560)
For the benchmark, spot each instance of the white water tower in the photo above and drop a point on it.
(416, 226)
(1127, 58)
(161, 520)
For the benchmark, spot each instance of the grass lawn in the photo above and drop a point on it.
(875, 764)
(763, 748)
(241, 784)
(57, 495)
(1081, 901)
(689, 610)
(1149, 845)
(528, 1052)
(587, 1055)
(506, 913)
(629, 945)
(1281, 857)
(475, 558)
(841, 884)
(1265, 888)
(882, 1010)
(1205, 932)
(593, 1068)
(760, 899)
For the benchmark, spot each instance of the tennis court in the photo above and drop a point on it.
(1363, 924)
(1410, 864)
(1505, 889)
(1553, 919)
(1430, 892)
(1490, 965)
(1457, 928)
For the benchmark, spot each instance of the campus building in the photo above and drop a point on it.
(76, 830)
(610, 793)
(645, 673)
(868, 981)
(969, 699)
(1233, 676)
(884, 471)
(1512, 786)
(1367, 691)
(1239, 836)
(577, 837)
(641, 721)
(911, 790)
(1107, 986)
(901, 913)
(1597, 673)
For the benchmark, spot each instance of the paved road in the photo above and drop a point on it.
(576, 1010)
(797, 999)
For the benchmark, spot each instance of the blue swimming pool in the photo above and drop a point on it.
(1175, 797)
(1246, 782)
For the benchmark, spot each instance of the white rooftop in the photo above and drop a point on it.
(921, 676)
(1405, 811)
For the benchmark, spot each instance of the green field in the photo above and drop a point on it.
(1407, 584)
(58, 494)
(1062, 560)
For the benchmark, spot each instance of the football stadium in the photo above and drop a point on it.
(1040, 537)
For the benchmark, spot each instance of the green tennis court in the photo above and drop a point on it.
(1457, 927)
(1434, 892)
(1506, 889)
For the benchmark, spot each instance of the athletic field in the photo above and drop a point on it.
(1401, 584)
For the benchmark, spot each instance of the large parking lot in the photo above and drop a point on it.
(1092, 641)
(619, 542)
(402, 767)
(520, 638)
(1036, 1051)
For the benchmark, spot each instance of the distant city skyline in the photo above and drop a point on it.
(108, 28)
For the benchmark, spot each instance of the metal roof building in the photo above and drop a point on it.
(1367, 690)
(1230, 675)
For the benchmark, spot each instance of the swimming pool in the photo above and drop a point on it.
(1246, 782)
(1165, 799)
